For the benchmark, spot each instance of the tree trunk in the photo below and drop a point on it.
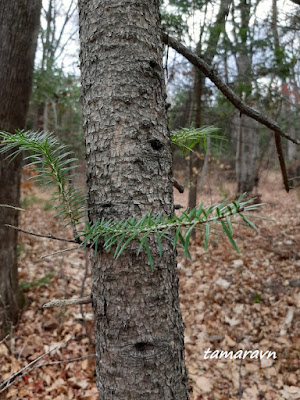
(195, 161)
(138, 325)
(246, 154)
(19, 24)
(199, 85)
(247, 138)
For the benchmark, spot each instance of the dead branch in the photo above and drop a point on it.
(20, 373)
(68, 302)
(227, 92)
(59, 252)
(49, 236)
(5, 338)
(177, 185)
(14, 208)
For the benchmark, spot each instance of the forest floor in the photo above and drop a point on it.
(230, 301)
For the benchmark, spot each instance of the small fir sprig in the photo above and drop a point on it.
(116, 236)
(188, 138)
(53, 163)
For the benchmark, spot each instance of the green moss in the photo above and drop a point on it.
(42, 282)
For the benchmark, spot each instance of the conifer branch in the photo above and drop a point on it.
(115, 236)
(52, 162)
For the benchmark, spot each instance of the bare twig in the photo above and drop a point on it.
(227, 92)
(46, 364)
(49, 236)
(16, 376)
(68, 302)
(6, 337)
(60, 251)
(68, 360)
(14, 208)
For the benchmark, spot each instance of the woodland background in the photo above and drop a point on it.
(229, 300)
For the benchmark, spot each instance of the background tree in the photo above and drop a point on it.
(55, 96)
(197, 104)
(138, 326)
(249, 31)
(19, 24)
(246, 129)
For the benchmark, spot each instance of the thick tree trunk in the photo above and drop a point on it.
(19, 23)
(138, 325)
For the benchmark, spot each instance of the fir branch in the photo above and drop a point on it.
(53, 162)
(188, 138)
(117, 235)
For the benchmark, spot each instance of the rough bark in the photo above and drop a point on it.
(138, 325)
(19, 23)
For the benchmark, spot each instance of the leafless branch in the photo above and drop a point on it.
(3, 340)
(227, 92)
(68, 16)
(20, 373)
(179, 187)
(68, 302)
(68, 360)
(59, 252)
(49, 236)
(14, 208)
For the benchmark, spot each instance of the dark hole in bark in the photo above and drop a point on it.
(143, 346)
(153, 64)
(156, 144)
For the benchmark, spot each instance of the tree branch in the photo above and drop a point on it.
(59, 252)
(179, 187)
(227, 92)
(68, 302)
(14, 377)
(42, 235)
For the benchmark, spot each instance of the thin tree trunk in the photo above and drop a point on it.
(19, 24)
(205, 164)
(247, 141)
(199, 84)
(246, 154)
(138, 325)
(195, 161)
